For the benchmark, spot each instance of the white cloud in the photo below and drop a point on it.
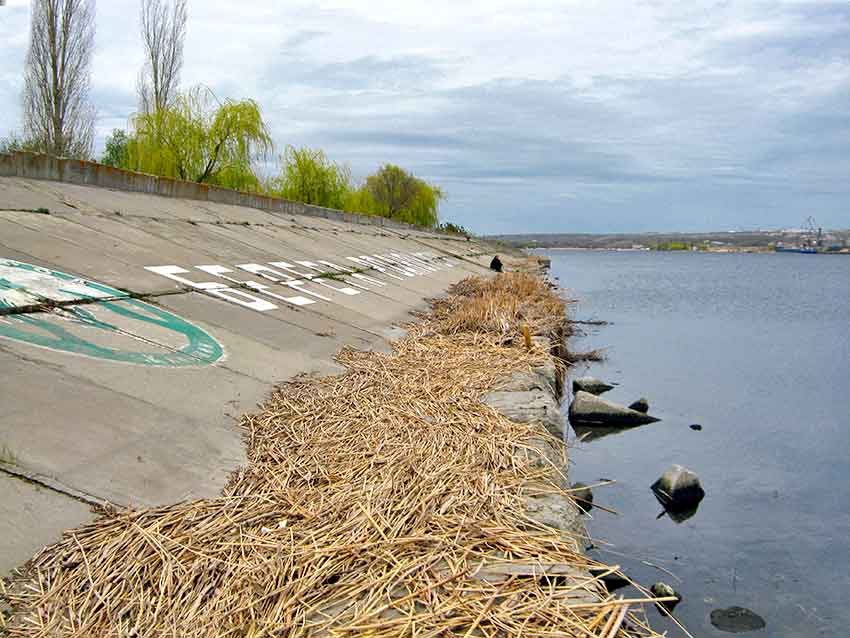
(591, 115)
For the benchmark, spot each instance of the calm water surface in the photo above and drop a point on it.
(754, 348)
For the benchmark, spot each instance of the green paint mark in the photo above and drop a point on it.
(21, 282)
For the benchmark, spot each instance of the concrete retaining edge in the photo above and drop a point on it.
(535, 398)
(72, 171)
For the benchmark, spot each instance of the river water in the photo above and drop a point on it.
(756, 349)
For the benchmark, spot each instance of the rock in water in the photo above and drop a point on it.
(678, 489)
(737, 620)
(583, 496)
(592, 385)
(590, 410)
(663, 590)
(641, 405)
(612, 581)
(696, 427)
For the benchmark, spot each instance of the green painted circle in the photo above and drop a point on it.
(200, 349)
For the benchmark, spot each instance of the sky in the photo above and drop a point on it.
(535, 116)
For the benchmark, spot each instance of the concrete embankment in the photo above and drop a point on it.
(135, 327)
(390, 499)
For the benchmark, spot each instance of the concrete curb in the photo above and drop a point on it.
(535, 398)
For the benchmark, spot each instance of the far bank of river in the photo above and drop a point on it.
(755, 349)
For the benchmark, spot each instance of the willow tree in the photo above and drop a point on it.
(58, 117)
(424, 209)
(163, 29)
(401, 195)
(307, 175)
(200, 139)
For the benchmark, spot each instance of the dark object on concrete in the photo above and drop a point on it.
(678, 490)
(696, 427)
(583, 496)
(496, 264)
(590, 410)
(641, 405)
(737, 620)
(663, 590)
(592, 385)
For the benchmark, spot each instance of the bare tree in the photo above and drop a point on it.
(163, 31)
(58, 117)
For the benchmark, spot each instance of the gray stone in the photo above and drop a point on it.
(641, 405)
(678, 489)
(555, 511)
(536, 379)
(583, 496)
(591, 384)
(590, 410)
(544, 453)
(736, 620)
(532, 406)
(663, 590)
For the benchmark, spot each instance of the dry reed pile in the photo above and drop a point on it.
(386, 501)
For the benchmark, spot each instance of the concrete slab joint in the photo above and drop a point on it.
(136, 325)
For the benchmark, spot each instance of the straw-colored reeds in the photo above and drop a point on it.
(386, 501)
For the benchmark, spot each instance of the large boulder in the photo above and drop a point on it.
(590, 410)
(591, 384)
(678, 489)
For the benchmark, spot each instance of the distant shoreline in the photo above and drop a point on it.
(751, 250)
(834, 241)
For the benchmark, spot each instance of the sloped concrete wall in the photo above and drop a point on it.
(135, 329)
(71, 171)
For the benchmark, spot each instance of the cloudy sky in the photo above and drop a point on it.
(536, 115)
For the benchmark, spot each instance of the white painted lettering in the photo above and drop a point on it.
(172, 272)
(220, 271)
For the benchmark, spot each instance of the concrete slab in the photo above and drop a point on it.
(133, 400)
(111, 444)
(25, 194)
(31, 506)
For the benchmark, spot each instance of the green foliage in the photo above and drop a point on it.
(116, 152)
(13, 143)
(198, 138)
(454, 229)
(392, 188)
(673, 245)
(401, 196)
(359, 200)
(308, 176)
(202, 140)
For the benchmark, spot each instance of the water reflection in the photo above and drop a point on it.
(586, 434)
(679, 516)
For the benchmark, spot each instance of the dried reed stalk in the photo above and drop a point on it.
(386, 501)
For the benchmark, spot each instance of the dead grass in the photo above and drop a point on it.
(386, 501)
